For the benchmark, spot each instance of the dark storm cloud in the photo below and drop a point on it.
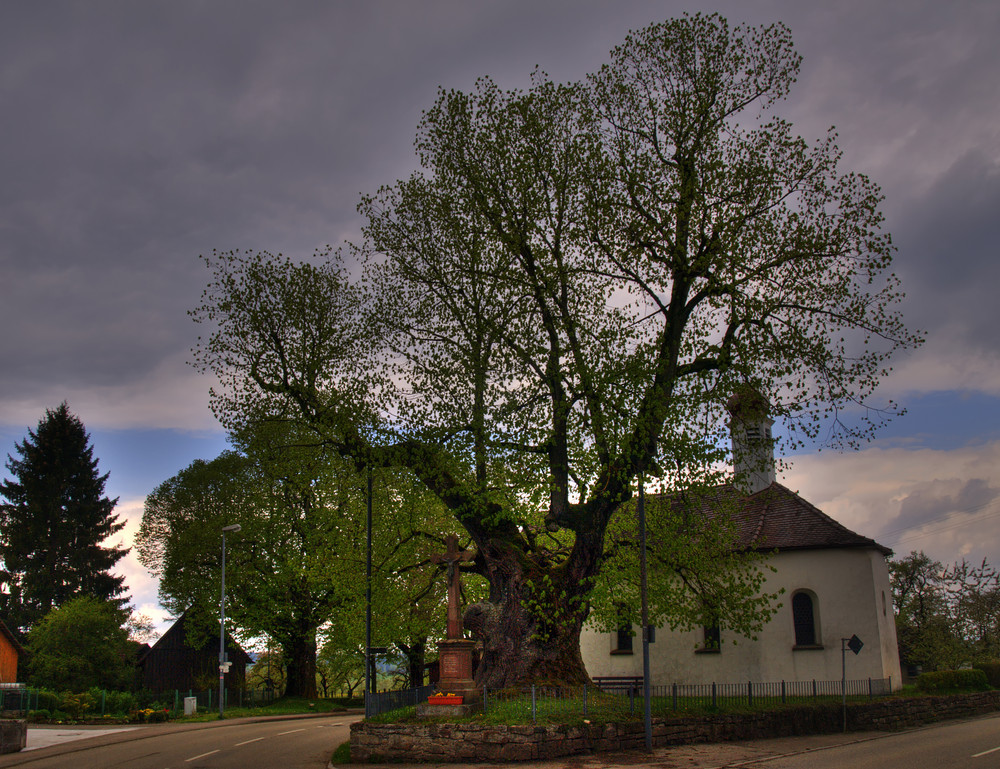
(942, 503)
(949, 253)
(139, 135)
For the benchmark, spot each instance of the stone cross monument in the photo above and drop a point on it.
(455, 652)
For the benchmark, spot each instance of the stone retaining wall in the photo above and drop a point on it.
(13, 736)
(442, 742)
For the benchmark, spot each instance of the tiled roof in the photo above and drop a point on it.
(776, 518)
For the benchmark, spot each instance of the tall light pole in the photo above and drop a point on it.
(644, 594)
(369, 678)
(222, 622)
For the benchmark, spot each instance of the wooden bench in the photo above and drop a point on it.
(618, 683)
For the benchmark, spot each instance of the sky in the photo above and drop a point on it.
(137, 136)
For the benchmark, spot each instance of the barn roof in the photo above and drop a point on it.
(6, 632)
(175, 636)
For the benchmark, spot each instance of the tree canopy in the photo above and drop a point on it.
(946, 617)
(54, 520)
(83, 643)
(564, 297)
(298, 562)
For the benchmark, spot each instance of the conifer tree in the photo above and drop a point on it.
(54, 518)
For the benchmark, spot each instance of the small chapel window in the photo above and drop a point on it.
(712, 636)
(804, 619)
(623, 640)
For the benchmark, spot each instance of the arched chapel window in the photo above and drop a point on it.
(804, 617)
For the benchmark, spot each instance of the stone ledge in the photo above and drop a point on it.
(448, 742)
(13, 736)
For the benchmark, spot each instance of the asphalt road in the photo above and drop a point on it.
(973, 744)
(304, 743)
(308, 744)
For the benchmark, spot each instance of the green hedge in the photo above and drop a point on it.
(953, 680)
(992, 671)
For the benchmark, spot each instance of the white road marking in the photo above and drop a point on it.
(247, 742)
(291, 732)
(985, 752)
(195, 758)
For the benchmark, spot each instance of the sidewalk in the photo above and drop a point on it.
(42, 736)
(45, 735)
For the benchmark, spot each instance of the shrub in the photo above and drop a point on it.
(39, 715)
(77, 704)
(46, 700)
(992, 671)
(951, 680)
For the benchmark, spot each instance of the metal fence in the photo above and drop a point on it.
(383, 702)
(24, 699)
(624, 699)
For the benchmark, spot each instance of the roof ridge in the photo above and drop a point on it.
(810, 507)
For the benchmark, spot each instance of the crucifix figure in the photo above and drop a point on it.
(453, 557)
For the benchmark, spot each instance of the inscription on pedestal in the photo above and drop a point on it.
(451, 666)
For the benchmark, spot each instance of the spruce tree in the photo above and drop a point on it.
(54, 517)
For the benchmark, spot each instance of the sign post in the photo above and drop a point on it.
(854, 644)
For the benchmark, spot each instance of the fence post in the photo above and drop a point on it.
(750, 693)
(675, 695)
(631, 699)
(209, 699)
(814, 688)
(714, 700)
(585, 700)
(783, 691)
(485, 708)
(104, 694)
(533, 712)
(871, 694)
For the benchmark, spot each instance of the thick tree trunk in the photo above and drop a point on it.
(414, 662)
(530, 626)
(300, 656)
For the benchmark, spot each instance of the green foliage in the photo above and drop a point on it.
(342, 755)
(563, 298)
(298, 562)
(40, 715)
(77, 705)
(945, 617)
(54, 520)
(115, 702)
(81, 644)
(952, 680)
(992, 671)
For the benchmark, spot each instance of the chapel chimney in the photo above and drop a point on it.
(753, 446)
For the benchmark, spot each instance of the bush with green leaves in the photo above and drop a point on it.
(77, 705)
(992, 671)
(952, 680)
(81, 644)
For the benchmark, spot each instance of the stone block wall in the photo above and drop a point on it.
(13, 736)
(446, 742)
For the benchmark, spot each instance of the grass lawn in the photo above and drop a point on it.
(284, 706)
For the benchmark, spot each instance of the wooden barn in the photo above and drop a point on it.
(171, 663)
(10, 650)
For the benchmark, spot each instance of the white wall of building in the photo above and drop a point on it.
(851, 594)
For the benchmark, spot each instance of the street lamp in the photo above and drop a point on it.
(222, 622)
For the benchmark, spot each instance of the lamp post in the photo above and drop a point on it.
(644, 594)
(222, 622)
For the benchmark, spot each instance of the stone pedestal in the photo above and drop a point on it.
(455, 663)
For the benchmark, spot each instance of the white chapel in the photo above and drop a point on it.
(836, 585)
